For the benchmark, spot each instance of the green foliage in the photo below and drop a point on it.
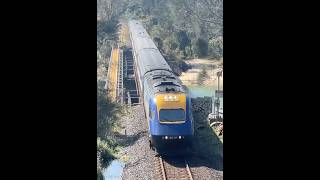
(99, 168)
(107, 112)
(170, 44)
(188, 51)
(200, 47)
(106, 150)
(107, 118)
(183, 65)
(158, 42)
(215, 48)
(182, 39)
(181, 28)
(106, 38)
(202, 75)
(182, 55)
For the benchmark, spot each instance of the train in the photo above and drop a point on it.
(166, 103)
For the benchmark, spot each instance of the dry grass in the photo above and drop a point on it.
(190, 77)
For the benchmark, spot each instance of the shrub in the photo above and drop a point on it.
(106, 150)
(200, 47)
(107, 113)
(202, 75)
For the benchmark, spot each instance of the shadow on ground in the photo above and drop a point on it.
(206, 151)
(128, 140)
(207, 146)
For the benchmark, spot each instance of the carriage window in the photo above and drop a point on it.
(171, 115)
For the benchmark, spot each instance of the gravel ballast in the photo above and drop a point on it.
(139, 159)
(137, 155)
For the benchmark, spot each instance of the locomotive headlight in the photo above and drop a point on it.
(171, 98)
(166, 137)
(179, 137)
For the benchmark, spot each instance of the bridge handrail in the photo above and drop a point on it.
(108, 74)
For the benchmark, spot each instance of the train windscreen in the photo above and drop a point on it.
(172, 115)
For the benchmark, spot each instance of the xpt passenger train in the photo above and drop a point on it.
(166, 103)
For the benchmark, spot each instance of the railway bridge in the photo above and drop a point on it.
(121, 84)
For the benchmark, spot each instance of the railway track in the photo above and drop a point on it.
(172, 169)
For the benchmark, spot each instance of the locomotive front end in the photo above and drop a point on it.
(172, 124)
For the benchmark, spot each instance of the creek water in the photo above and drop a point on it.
(113, 171)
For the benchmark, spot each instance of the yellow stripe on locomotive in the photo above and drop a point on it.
(174, 101)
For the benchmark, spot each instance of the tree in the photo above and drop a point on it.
(107, 112)
(107, 116)
(188, 51)
(202, 75)
(182, 39)
(170, 44)
(208, 13)
(215, 48)
(200, 47)
(158, 42)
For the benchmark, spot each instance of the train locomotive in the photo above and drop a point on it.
(166, 103)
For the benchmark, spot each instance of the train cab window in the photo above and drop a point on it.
(171, 115)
